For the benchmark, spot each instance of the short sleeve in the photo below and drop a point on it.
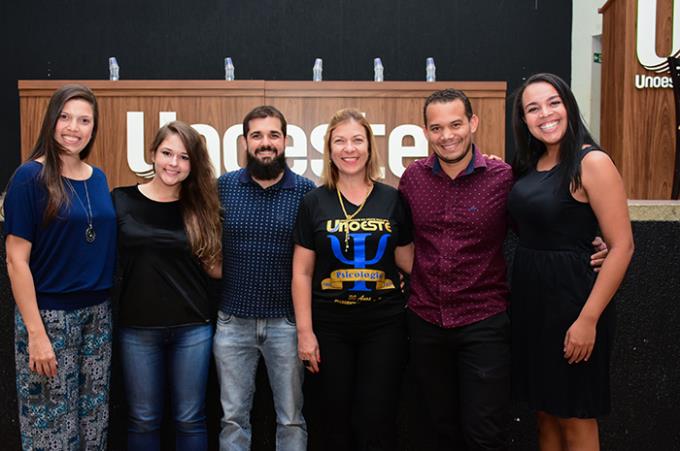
(303, 234)
(20, 205)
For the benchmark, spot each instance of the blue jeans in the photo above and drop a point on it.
(239, 342)
(149, 356)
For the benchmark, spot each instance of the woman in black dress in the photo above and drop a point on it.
(561, 318)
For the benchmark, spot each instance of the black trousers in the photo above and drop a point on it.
(361, 373)
(463, 376)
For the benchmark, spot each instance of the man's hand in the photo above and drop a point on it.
(601, 252)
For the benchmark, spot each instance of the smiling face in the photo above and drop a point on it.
(544, 113)
(349, 148)
(449, 131)
(265, 148)
(171, 161)
(265, 140)
(74, 126)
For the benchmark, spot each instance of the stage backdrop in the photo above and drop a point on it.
(274, 40)
(638, 115)
(131, 112)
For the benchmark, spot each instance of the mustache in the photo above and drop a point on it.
(266, 149)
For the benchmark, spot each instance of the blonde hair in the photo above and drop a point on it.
(329, 174)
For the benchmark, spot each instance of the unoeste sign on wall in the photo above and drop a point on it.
(132, 111)
(638, 123)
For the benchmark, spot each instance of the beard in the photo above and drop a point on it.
(265, 171)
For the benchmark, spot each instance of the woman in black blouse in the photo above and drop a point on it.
(169, 239)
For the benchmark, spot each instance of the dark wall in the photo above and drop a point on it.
(645, 373)
(274, 40)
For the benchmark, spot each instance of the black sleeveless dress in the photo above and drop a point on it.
(551, 281)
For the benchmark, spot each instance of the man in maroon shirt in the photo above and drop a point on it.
(458, 324)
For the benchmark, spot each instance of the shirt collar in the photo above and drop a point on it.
(476, 162)
(286, 182)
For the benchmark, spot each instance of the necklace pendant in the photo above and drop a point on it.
(90, 234)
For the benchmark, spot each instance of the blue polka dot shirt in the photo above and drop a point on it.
(257, 243)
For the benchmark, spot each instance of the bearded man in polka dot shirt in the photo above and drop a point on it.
(255, 317)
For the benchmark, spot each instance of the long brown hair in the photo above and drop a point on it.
(198, 194)
(329, 174)
(46, 146)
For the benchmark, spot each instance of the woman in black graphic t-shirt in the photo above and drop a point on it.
(352, 234)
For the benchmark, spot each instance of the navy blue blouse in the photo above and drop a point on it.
(68, 271)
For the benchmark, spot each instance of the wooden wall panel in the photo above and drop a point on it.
(638, 125)
(612, 81)
(223, 104)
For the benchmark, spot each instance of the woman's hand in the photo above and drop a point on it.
(492, 157)
(308, 351)
(41, 357)
(301, 287)
(579, 340)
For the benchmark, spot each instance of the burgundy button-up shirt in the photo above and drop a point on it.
(459, 225)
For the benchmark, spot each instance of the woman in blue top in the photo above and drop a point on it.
(60, 238)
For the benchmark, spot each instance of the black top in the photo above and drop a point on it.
(551, 281)
(359, 277)
(547, 216)
(163, 284)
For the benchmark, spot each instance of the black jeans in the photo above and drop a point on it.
(463, 376)
(361, 372)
